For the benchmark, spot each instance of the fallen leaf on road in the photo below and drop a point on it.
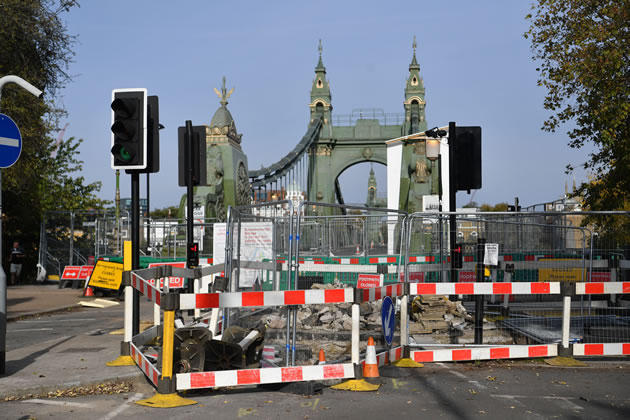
(492, 378)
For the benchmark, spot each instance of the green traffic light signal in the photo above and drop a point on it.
(129, 129)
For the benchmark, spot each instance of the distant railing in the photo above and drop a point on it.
(346, 120)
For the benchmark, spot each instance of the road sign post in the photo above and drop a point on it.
(388, 319)
(3, 277)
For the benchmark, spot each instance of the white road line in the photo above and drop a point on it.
(121, 408)
(29, 321)
(61, 403)
(31, 329)
(458, 374)
(478, 385)
(562, 401)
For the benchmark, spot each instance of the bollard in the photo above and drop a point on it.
(405, 361)
(125, 358)
(167, 396)
(567, 290)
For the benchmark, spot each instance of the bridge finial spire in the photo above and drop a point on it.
(320, 63)
(224, 94)
(414, 62)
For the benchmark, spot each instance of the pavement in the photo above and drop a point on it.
(66, 360)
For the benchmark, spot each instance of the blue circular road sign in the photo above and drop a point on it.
(10, 141)
(388, 319)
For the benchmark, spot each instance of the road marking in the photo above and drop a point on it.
(478, 385)
(54, 402)
(31, 329)
(56, 320)
(562, 401)
(121, 408)
(458, 374)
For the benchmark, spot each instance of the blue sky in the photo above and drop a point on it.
(475, 62)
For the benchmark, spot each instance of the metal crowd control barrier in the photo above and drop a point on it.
(168, 382)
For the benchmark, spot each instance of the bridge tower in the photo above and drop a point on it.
(346, 140)
(227, 182)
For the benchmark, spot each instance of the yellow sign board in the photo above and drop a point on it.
(573, 274)
(107, 275)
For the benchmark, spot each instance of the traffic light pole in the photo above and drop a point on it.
(452, 194)
(135, 246)
(189, 147)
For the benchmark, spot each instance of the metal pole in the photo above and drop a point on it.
(148, 219)
(188, 151)
(135, 245)
(452, 194)
(479, 299)
(3, 277)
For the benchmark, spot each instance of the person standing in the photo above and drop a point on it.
(16, 258)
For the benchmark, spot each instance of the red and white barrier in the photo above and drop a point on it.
(602, 288)
(484, 288)
(146, 288)
(484, 353)
(276, 298)
(145, 364)
(601, 349)
(225, 378)
(387, 356)
(376, 293)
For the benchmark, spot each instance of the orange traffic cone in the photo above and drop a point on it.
(322, 357)
(358, 250)
(370, 368)
(88, 292)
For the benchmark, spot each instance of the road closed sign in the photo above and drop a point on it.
(107, 275)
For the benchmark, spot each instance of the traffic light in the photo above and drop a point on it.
(199, 155)
(457, 256)
(129, 129)
(468, 158)
(153, 135)
(192, 254)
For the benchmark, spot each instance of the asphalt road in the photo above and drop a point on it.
(520, 390)
(81, 321)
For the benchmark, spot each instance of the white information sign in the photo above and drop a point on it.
(491, 254)
(256, 245)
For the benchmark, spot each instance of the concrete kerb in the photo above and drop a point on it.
(16, 317)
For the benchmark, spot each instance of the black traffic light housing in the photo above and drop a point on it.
(129, 129)
(468, 158)
(458, 256)
(199, 155)
(135, 142)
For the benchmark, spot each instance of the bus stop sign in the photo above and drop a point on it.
(10, 142)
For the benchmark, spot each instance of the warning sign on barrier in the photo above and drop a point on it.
(567, 274)
(366, 281)
(173, 282)
(77, 272)
(107, 275)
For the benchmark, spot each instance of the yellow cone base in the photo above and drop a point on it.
(122, 361)
(407, 363)
(356, 385)
(166, 401)
(565, 361)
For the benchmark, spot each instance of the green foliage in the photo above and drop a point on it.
(35, 46)
(165, 213)
(496, 207)
(583, 48)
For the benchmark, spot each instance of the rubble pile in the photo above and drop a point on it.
(332, 318)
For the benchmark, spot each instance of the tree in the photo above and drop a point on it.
(165, 213)
(497, 207)
(35, 45)
(583, 47)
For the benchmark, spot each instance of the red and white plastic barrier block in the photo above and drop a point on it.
(387, 356)
(145, 364)
(601, 349)
(146, 288)
(223, 378)
(602, 288)
(546, 288)
(484, 353)
(428, 259)
(255, 299)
